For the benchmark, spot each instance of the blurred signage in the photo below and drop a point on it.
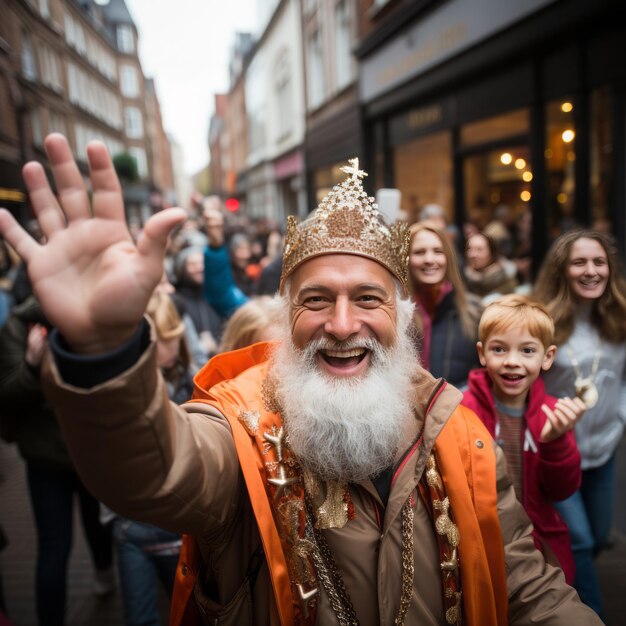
(455, 26)
(12, 195)
(425, 117)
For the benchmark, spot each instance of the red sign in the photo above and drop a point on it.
(232, 204)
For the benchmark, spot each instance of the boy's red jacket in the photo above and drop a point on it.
(551, 473)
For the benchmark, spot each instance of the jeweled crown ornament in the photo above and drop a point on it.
(347, 221)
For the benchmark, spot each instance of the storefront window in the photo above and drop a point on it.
(512, 124)
(601, 146)
(560, 159)
(497, 186)
(423, 174)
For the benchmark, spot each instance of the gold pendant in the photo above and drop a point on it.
(587, 391)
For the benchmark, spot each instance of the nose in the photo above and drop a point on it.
(590, 268)
(343, 322)
(512, 358)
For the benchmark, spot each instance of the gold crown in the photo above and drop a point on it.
(348, 222)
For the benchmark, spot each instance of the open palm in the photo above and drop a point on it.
(93, 283)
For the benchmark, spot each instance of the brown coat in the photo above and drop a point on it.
(153, 461)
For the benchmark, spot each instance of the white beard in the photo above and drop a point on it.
(347, 429)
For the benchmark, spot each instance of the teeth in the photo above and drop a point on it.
(344, 354)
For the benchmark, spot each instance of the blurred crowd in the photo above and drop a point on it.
(219, 273)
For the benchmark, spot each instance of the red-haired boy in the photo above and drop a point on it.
(534, 429)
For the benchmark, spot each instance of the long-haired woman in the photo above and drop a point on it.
(582, 285)
(446, 316)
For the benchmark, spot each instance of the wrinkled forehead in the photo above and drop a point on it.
(340, 272)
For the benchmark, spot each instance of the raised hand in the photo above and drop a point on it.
(93, 283)
(562, 419)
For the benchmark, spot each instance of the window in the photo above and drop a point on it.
(316, 69)
(35, 127)
(560, 159)
(56, 123)
(513, 124)
(125, 38)
(343, 53)
(128, 81)
(44, 8)
(69, 29)
(423, 173)
(139, 154)
(284, 109)
(81, 44)
(29, 67)
(50, 64)
(134, 122)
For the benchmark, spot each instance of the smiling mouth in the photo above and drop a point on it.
(344, 358)
(512, 377)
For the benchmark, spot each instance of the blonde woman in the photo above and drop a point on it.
(446, 316)
(251, 323)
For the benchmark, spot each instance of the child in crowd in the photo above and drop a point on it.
(533, 429)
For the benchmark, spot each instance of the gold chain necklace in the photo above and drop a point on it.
(448, 539)
(330, 577)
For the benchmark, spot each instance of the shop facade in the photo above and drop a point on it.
(522, 106)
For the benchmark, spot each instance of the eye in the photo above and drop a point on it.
(314, 302)
(528, 350)
(497, 349)
(368, 299)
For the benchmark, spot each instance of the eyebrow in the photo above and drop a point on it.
(584, 258)
(357, 288)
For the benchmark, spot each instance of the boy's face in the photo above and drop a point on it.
(514, 359)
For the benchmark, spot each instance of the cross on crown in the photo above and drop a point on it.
(353, 169)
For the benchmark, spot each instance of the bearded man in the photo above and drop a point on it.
(326, 480)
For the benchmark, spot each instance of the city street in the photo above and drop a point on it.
(84, 609)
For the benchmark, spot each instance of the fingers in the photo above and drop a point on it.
(108, 201)
(70, 185)
(45, 206)
(565, 410)
(549, 428)
(16, 236)
(572, 407)
(153, 238)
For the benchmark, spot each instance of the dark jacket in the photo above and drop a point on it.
(35, 427)
(551, 471)
(452, 354)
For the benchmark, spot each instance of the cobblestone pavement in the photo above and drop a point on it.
(17, 561)
(84, 609)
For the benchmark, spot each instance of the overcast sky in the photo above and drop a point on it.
(184, 45)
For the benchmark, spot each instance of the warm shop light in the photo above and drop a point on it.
(525, 196)
(567, 107)
(568, 135)
(527, 176)
(506, 158)
(520, 164)
(561, 198)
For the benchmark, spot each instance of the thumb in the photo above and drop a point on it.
(153, 238)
